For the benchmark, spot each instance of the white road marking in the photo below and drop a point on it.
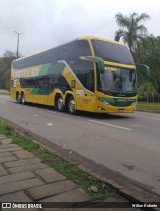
(49, 124)
(116, 126)
(35, 115)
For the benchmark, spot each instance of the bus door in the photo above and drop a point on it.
(85, 93)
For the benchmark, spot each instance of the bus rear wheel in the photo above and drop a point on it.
(23, 99)
(71, 105)
(59, 104)
(19, 97)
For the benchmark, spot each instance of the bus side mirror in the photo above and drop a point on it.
(145, 69)
(99, 60)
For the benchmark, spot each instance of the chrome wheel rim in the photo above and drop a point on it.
(60, 104)
(19, 98)
(72, 106)
(23, 101)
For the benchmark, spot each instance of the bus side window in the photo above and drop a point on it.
(83, 68)
(51, 81)
(81, 48)
(90, 80)
(67, 52)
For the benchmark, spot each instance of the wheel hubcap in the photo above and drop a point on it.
(19, 98)
(72, 106)
(23, 99)
(60, 104)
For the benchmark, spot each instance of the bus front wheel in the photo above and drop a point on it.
(71, 105)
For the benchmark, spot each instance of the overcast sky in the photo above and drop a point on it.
(48, 23)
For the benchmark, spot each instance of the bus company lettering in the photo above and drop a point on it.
(85, 100)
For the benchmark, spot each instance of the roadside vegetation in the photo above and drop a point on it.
(97, 189)
(149, 99)
(145, 49)
(4, 92)
(149, 107)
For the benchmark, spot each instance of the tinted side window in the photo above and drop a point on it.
(87, 80)
(66, 51)
(40, 58)
(47, 81)
(51, 55)
(83, 69)
(81, 48)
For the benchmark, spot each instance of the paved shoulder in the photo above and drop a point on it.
(23, 178)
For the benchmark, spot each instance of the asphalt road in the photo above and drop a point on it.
(128, 144)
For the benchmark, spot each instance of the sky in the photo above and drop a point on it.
(49, 23)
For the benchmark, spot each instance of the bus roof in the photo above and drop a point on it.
(99, 38)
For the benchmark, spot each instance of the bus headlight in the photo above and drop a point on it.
(103, 100)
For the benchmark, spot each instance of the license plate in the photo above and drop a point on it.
(121, 110)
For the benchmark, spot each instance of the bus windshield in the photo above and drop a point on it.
(112, 52)
(118, 82)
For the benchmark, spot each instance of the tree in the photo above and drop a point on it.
(147, 93)
(152, 59)
(5, 69)
(131, 30)
(9, 54)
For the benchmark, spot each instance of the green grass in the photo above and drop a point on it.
(4, 92)
(72, 172)
(150, 107)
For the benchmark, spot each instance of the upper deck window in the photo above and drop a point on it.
(112, 52)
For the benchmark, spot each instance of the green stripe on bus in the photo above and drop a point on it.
(42, 91)
(44, 69)
(120, 101)
(51, 68)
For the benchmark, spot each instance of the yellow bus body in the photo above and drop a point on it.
(85, 100)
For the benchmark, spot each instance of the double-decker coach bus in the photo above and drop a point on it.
(88, 74)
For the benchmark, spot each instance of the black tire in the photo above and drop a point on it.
(19, 99)
(71, 105)
(17, 96)
(59, 104)
(23, 99)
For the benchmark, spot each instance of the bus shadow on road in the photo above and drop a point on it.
(103, 116)
(82, 113)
